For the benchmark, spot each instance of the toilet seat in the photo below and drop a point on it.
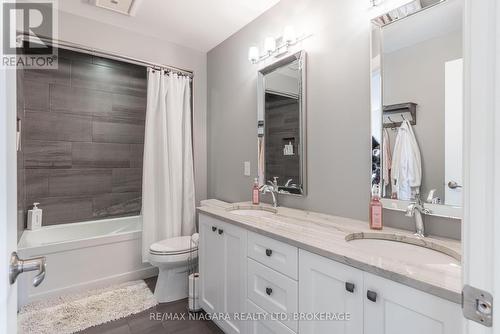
(173, 246)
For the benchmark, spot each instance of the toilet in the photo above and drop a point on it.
(172, 257)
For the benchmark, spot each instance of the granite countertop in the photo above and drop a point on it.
(327, 236)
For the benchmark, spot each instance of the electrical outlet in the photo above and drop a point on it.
(246, 168)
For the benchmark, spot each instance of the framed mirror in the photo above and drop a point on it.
(417, 105)
(281, 125)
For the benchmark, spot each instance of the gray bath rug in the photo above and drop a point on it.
(73, 313)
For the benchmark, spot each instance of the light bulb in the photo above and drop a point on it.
(253, 54)
(269, 45)
(289, 36)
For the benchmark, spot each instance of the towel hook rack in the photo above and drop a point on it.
(405, 112)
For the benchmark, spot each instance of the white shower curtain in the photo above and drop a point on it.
(168, 198)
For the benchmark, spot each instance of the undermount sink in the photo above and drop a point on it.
(405, 248)
(253, 212)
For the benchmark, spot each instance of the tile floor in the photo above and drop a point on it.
(141, 324)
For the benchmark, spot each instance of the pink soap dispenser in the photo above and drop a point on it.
(376, 209)
(255, 192)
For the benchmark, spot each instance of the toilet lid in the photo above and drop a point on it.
(177, 245)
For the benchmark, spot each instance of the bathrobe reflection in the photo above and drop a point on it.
(406, 169)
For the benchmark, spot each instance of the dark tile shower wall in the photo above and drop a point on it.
(282, 126)
(83, 135)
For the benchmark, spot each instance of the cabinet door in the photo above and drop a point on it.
(210, 263)
(262, 324)
(326, 286)
(401, 309)
(234, 274)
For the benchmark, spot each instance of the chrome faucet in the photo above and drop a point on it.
(416, 209)
(273, 188)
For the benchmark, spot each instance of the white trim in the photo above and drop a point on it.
(481, 153)
(438, 210)
(4, 284)
(8, 194)
(98, 283)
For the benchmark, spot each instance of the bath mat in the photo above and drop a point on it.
(76, 312)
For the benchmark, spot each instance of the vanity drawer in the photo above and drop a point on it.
(272, 291)
(274, 254)
(264, 326)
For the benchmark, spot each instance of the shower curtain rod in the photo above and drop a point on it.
(105, 54)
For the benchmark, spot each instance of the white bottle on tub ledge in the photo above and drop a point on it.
(35, 217)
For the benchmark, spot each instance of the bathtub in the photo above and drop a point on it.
(82, 256)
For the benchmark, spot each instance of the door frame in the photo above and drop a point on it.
(8, 198)
(480, 234)
(8, 194)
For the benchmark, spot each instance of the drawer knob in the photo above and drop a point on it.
(214, 228)
(269, 252)
(269, 291)
(349, 287)
(371, 295)
(221, 231)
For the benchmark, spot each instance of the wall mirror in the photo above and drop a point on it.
(417, 105)
(281, 124)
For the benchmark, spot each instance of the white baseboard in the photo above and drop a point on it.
(99, 283)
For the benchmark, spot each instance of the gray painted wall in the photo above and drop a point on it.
(338, 104)
(417, 74)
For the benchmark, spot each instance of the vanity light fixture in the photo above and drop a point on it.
(375, 3)
(253, 54)
(269, 45)
(289, 36)
(275, 46)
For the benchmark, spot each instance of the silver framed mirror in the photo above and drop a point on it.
(417, 105)
(281, 124)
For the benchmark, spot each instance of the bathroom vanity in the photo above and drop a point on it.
(262, 260)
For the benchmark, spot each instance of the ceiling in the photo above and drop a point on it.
(197, 24)
(433, 22)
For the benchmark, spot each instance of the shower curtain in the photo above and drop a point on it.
(168, 198)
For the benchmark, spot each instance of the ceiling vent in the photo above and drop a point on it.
(121, 6)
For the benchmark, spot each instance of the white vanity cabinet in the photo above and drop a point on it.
(326, 286)
(376, 305)
(223, 268)
(400, 309)
(245, 272)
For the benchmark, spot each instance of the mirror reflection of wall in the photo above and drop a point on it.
(421, 62)
(282, 119)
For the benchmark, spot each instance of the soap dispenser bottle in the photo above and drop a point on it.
(255, 192)
(376, 209)
(35, 217)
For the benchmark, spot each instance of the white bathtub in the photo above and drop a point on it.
(82, 256)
